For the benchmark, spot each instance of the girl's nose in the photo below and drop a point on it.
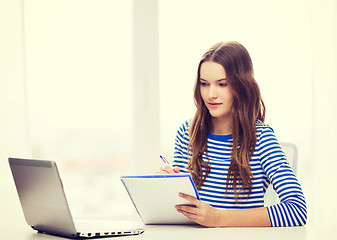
(212, 94)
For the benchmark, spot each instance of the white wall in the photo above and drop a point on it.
(324, 110)
(13, 112)
(13, 120)
(145, 85)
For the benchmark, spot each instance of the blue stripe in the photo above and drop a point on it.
(278, 215)
(270, 214)
(293, 223)
(283, 206)
(294, 213)
(299, 212)
(232, 197)
(233, 206)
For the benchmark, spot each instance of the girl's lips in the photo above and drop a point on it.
(214, 104)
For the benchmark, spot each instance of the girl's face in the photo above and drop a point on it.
(215, 92)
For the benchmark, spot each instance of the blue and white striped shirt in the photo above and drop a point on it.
(268, 165)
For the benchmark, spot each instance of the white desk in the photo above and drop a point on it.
(156, 232)
(14, 227)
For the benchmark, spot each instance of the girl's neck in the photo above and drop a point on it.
(222, 126)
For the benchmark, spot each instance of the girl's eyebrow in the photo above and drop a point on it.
(222, 79)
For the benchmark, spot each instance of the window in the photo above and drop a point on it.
(79, 92)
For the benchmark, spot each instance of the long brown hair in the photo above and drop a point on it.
(247, 108)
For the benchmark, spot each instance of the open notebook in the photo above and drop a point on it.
(155, 196)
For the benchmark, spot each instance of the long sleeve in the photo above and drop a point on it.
(180, 149)
(268, 165)
(291, 211)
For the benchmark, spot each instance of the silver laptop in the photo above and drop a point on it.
(46, 209)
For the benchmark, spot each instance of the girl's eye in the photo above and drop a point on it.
(203, 84)
(223, 84)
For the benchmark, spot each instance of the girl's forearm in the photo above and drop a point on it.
(255, 217)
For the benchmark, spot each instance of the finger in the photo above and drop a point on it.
(191, 216)
(186, 208)
(189, 198)
(176, 169)
(167, 168)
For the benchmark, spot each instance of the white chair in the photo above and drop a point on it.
(290, 150)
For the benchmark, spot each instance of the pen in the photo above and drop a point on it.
(164, 159)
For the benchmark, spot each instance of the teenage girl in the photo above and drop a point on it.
(230, 152)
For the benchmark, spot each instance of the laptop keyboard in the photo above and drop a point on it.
(92, 228)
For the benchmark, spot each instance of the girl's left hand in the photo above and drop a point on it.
(202, 213)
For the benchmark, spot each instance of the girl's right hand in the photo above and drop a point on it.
(167, 169)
